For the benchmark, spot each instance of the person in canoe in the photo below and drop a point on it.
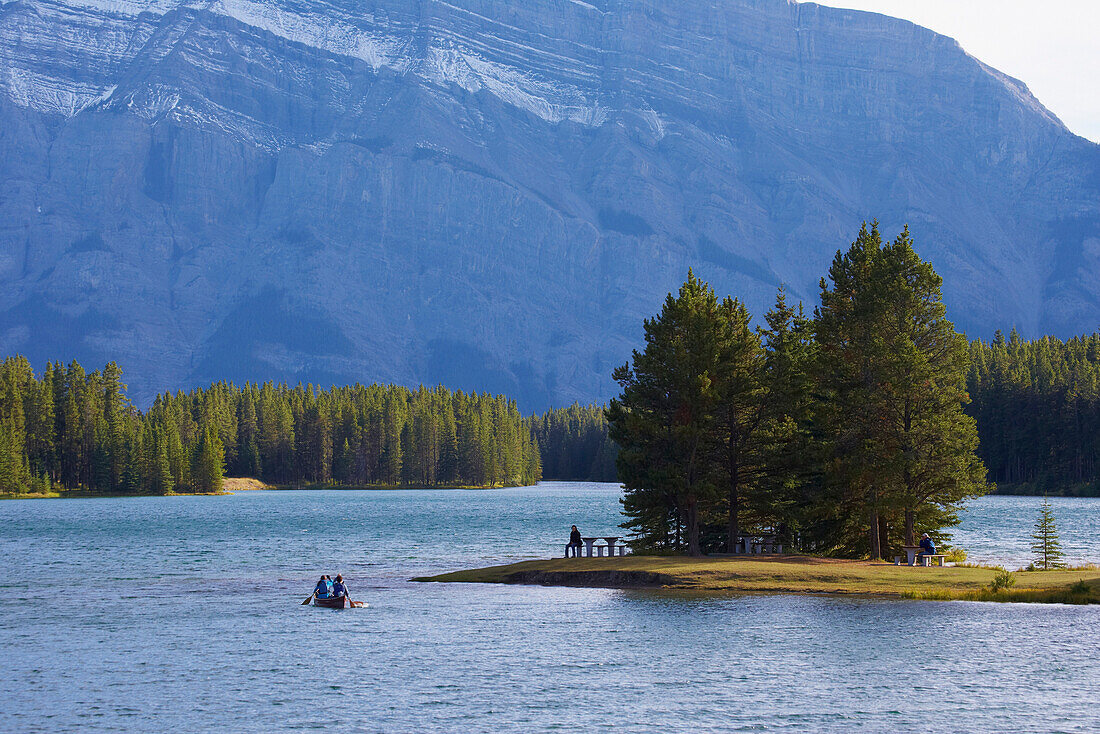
(340, 589)
(332, 595)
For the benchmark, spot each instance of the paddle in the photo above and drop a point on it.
(309, 598)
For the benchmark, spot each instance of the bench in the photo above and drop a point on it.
(934, 559)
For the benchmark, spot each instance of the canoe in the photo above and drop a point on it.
(337, 603)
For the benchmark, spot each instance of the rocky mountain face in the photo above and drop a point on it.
(492, 193)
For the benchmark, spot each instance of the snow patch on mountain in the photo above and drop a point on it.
(321, 30)
(553, 102)
(46, 93)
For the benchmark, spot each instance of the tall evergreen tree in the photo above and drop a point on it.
(892, 368)
(208, 464)
(42, 423)
(161, 479)
(921, 387)
(248, 451)
(792, 450)
(851, 354)
(664, 419)
(740, 411)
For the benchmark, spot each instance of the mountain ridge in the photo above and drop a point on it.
(494, 195)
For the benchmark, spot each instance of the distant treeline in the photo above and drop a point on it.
(574, 444)
(74, 429)
(1037, 405)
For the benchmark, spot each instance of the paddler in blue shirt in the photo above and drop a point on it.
(339, 588)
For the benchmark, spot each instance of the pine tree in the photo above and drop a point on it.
(248, 451)
(393, 428)
(448, 445)
(664, 419)
(208, 464)
(892, 369)
(792, 451)
(1045, 545)
(740, 410)
(113, 431)
(42, 424)
(850, 357)
(922, 387)
(71, 441)
(15, 476)
(161, 479)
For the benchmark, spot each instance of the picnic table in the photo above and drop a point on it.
(911, 553)
(757, 544)
(611, 547)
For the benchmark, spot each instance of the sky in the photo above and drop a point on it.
(1053, 46)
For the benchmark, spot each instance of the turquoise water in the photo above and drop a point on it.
(182, 614)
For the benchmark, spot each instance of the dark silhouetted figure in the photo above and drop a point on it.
(574, 543)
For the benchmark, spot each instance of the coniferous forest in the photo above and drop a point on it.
(1035, 405)
(75, 429)
(574, 444)
(843, 433)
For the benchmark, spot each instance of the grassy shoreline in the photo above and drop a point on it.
(792, 575)
(77, 494)
(230, 486)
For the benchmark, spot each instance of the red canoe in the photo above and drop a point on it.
(337, 603)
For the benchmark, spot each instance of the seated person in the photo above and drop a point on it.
(324, 588)
(574, 543)
(927, 548)
(339, 588)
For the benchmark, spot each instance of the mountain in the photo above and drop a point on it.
(492, 194)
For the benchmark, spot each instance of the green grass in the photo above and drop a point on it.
(30, 495)
(1078, 592)
(791, 574)
(229, 486)
(89, 494)
(380, 487)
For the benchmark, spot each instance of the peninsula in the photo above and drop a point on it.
(793, 575)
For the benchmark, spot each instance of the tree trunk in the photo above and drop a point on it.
(692, 521)
(677, 543)
(872, 525)
(883, 535)
(734, 525)
(910, 527)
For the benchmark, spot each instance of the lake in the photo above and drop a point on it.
(183, 613)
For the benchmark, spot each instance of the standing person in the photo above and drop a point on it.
(574, 543)
(927, 548)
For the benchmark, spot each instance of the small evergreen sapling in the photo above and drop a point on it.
(1045, 545)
